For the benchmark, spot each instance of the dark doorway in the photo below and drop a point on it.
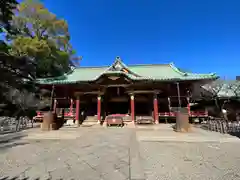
(91, 108)
(143, 104)
(117, 101)
(118, 108)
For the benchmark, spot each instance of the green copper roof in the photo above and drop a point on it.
(153, 72)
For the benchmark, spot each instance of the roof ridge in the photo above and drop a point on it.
(128, 65)
(119, 61)
(177, 69)
(93, 67)
(164, 64)
(185, 73)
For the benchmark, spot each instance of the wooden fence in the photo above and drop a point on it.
(10, 124)
(222, 126)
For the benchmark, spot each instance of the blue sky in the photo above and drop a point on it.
(197, 35)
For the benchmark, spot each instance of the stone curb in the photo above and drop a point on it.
(169, 139)
(136, 169)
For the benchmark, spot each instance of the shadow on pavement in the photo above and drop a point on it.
(11, 145)
(26, 178)
(20, 130)
(236, 134)
(11, 140)
(16, 178)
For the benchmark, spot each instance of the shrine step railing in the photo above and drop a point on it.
(67, 114)
(203, 114)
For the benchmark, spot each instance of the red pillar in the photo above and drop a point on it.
(99, 108)
(132, 107)
(155, 108)
(77, 109)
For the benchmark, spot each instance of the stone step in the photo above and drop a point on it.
(91, 119)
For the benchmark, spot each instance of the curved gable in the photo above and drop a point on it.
(119, 66)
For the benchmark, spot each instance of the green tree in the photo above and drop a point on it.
(6, 12)
(42, 37)
(17, 87)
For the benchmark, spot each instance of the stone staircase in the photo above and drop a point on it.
(90, 121)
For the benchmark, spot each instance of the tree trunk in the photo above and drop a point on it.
(18, 122)
(32, 122)
(218, 107)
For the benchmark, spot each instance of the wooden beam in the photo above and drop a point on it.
(61, 98)
(117, 85)
(78, 93)
(144, 92)
(94, 92)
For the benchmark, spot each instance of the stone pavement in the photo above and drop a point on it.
(95, 154)
(197, 155)
(120, 154)
(194, 161)
(165, 133)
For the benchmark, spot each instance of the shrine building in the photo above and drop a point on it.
(132, 90)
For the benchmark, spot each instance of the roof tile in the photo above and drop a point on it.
(155, 72)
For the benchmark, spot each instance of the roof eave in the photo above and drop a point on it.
(134, 79)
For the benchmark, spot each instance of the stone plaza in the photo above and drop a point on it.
(141, 153)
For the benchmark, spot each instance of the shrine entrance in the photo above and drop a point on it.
(116, 101)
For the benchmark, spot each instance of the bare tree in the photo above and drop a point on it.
(219, 91)
(25, 102)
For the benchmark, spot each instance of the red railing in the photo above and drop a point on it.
(66, 114)
(167, 114)
(199, 114)
(121, 115)
(161, 114)
(69, 114)
(39, 114)
(192, 114)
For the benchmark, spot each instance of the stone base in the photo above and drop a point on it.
(70, 122)
(77, 124)
(104, 124)
(48, 119)
(48, 128)
(45, 127)
(184, 130)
